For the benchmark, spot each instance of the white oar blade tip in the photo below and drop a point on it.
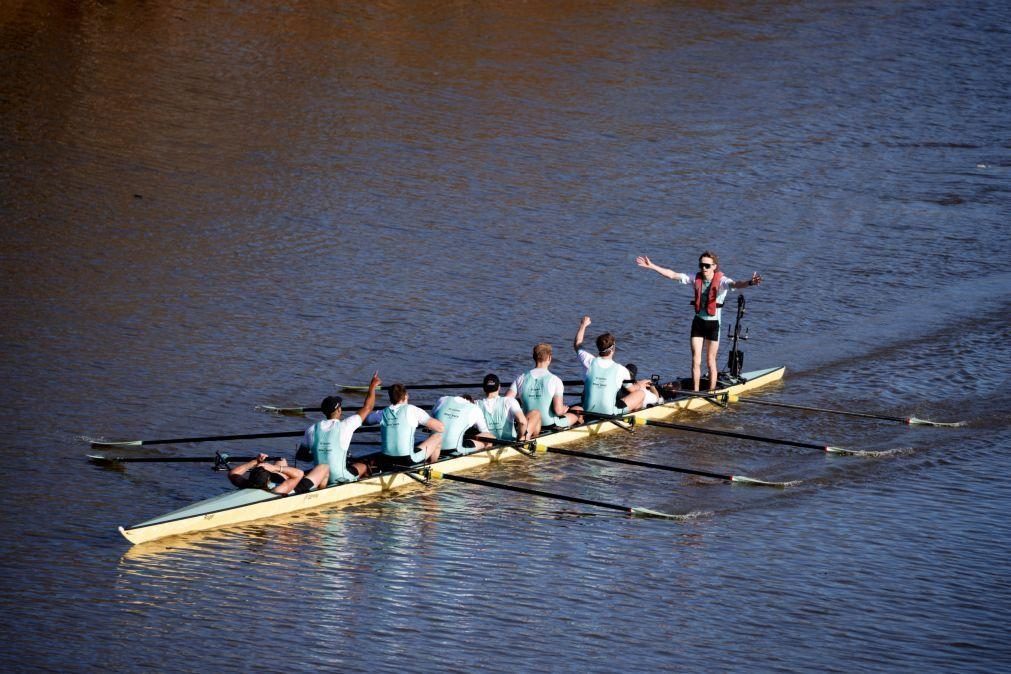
(646, 512)
(913, 421)
(113, 443)
(750, 481)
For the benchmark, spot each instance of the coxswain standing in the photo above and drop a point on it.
(711, 288)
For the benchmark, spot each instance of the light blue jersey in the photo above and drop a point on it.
(534, 395)
(397, 433)
(327, 448)
(601, 386)
(457, 415)
(497, 417)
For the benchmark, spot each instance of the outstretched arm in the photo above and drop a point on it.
(577, 342)
(370, 397)
(755, 279)
(644, 262)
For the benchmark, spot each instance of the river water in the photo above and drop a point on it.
(211, 205)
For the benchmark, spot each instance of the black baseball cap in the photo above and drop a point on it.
(329, 404)
(490, 383)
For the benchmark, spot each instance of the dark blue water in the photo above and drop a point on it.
(207, 206)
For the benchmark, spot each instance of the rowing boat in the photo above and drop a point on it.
(247, 505)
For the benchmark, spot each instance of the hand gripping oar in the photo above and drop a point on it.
(629, 510)
(911, 421)
(206, 438)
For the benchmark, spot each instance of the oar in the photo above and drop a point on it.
(300, 411)
(912, 421)
(743, 436)
(220, 458)
(435, 387)
(207, 438)
(741, 479)
(643, 512)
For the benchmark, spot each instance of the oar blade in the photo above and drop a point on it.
(656, 514)
(286, 411)
(867, 453)
(913, 421)
(752, 482)
(98, 444)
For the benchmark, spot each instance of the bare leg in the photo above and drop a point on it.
(321, 473)
(696, 362)
(359, 468)
(634, 401)
(534, 423)
(711, 348)
(432, 446)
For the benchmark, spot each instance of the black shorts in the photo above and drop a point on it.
(304, 485)
(708, 330)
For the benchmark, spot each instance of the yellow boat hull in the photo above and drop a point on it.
(247, 505)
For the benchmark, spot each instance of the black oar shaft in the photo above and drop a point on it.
(634, 462)
(536, 492)
(449, 385)
(173, 459)
(865, 415)
(733, 434)
(208, 438)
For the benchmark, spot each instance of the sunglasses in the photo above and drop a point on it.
(706, 265)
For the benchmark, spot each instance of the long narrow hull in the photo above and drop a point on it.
(246, 505)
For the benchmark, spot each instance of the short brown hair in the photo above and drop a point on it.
(710, 254)
(605, 343)
(397, 393)
(542, 351)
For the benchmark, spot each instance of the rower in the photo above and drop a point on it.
(277, 476)
(459, 415)
(605, 378)
(540, 394)
(502, 414)
(329, 440)
(397, 425)
(651, 395)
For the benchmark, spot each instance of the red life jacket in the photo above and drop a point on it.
(714, 290)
